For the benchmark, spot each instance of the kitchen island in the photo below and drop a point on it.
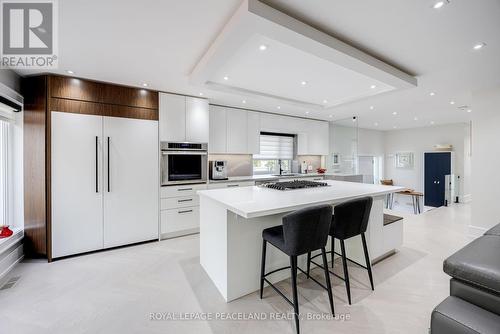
(232, 220)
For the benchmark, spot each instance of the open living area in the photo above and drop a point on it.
(244, 166)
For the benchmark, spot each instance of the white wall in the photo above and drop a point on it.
(485, 161)
(418, 141)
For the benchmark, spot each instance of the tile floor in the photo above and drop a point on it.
(117, 291)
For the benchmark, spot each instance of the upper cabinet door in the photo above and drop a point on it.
(253, 144)
(77, 183)
(131, 181)
(237, 131)
(172, 117)
(197, 120)
(218, 133)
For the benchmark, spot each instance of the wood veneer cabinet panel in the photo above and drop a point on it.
(93, 91)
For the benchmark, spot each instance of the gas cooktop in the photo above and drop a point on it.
(295, 184)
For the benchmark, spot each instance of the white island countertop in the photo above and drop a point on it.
(255, 201)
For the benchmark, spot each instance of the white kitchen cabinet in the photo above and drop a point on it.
(197, 120)
(179, 213)
(172, 116)
(131, 185)
(218, 130)
(253, 132)
(236, 131)
(88, 213)
(229, 184)
(183, 118)
(77, 187)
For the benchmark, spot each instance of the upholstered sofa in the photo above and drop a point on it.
(474, 302)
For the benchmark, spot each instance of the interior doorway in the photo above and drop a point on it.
(367, 168)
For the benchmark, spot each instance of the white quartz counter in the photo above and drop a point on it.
(255, 201)
(265, 177)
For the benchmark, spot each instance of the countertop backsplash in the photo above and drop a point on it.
(237, 164)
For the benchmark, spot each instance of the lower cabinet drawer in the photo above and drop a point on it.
(220, 185)
(185, 190)
(180, 219)
(179, 202)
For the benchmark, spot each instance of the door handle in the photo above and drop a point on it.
(109, 163)
(96, 164)
(437, 182)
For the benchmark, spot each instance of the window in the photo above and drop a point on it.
(275, 149)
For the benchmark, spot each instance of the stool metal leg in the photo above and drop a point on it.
(327, 278)
(332, 249)
(367, 259)
(346, 273)
(308, 264)
(293, 265)
(263, 267)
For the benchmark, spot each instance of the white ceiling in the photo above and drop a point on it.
(160, 42)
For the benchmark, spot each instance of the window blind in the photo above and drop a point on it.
(273, 147)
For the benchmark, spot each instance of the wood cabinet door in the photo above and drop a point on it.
(172, 116)
(131, 181)
(76, 183)
(196, 120)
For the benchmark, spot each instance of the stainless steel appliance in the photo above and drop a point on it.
(218, 170)
(183, 163)
(295, 184)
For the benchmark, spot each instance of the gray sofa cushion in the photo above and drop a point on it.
(487, 300)
(478, 263)
(455, 316)
(495, 230)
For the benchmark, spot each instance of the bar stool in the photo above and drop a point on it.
(349, 220)
(302, 232)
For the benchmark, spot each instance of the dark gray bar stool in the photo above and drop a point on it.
(302, 232)
(349, 220)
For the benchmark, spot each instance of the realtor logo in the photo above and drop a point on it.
(29, 34)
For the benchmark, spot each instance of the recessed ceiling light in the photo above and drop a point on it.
(415, 118)
(144, 84)
(479, 46)
(469, 110)
(226, 78)
(278, 107)
(307, 112)
(244, 101)
(70, 72)
(373, 86)
(395, 127)
(263, 47)
(325, 101)
(438, 5)
(432, 93)
(376, 124)
(372, 107)
(432, 122)
(395, 113)
(452, 102)
(330, 116)
(201, 94)
(303, 83)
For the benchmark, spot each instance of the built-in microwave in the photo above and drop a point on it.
(183, 163)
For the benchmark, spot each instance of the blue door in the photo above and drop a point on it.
(437, 165)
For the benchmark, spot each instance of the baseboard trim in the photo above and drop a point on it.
(466, 198)
(476, 231)
(179, 233)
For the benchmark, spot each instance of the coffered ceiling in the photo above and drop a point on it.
(173, 46)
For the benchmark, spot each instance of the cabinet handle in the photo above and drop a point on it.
(96, 164)
(109, 163)
(185, 211)
(232, 185)
(184, 189)
(184, 200)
